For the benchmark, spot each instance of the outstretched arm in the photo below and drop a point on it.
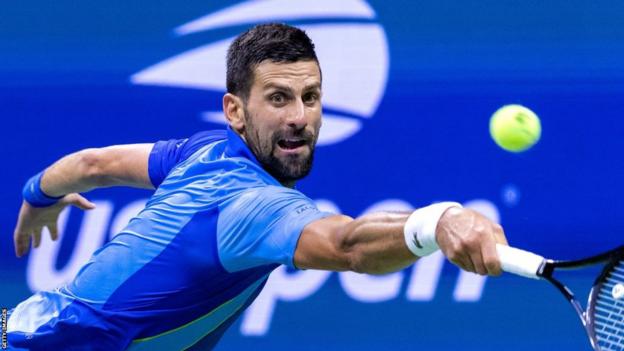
(119, 165)
(376, 244)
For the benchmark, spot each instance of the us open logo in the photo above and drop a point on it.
(351, 47)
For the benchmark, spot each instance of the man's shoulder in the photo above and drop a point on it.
(262, 194)
(211, 174)
(202, 141)
(208, 136)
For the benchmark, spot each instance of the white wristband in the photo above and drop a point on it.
(421, 225)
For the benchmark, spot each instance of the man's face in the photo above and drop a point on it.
(283, 117)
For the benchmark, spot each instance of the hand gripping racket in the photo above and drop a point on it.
(604, 318)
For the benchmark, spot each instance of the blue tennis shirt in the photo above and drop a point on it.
(186, 266)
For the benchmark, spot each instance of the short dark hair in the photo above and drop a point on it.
(272, 41)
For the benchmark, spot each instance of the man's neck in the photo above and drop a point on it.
(289, 184)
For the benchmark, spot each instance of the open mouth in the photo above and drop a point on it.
(291, 144)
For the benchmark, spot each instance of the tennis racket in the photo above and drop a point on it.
(603, 319)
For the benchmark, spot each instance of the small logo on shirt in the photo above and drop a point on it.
(304, 208)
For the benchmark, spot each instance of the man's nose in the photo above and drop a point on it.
(297, 117)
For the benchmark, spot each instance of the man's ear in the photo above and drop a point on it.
(233, 108)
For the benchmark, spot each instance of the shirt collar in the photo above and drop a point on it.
(236, 147)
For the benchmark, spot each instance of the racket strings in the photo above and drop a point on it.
(608, 311)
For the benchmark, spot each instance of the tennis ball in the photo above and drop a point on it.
(515, 128)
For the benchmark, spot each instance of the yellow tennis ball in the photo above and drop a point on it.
(515, 128)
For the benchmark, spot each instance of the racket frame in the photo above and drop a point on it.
(547, 269)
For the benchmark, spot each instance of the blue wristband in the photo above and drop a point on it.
(33, 194)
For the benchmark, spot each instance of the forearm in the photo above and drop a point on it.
(98, 168)
(386, 242)
(73, 173)
(375, 243)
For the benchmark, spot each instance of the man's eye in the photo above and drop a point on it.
(278, 98)
(310, 98)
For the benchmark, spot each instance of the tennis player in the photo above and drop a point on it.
(224, 215)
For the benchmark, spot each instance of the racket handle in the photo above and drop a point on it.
(519, 262)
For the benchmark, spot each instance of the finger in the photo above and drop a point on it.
(490, 259)
(463, 262)
(474, 252)
(20, 227)
(477, 263)
(36, 237)
(499, 235)
(53, 229)
(21, 242)
(468, 266)
(80, 202)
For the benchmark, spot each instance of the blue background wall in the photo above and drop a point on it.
(66, 83)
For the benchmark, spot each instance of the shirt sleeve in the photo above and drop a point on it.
(166, 154)
(262, 226)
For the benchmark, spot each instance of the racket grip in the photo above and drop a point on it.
(519, 262)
